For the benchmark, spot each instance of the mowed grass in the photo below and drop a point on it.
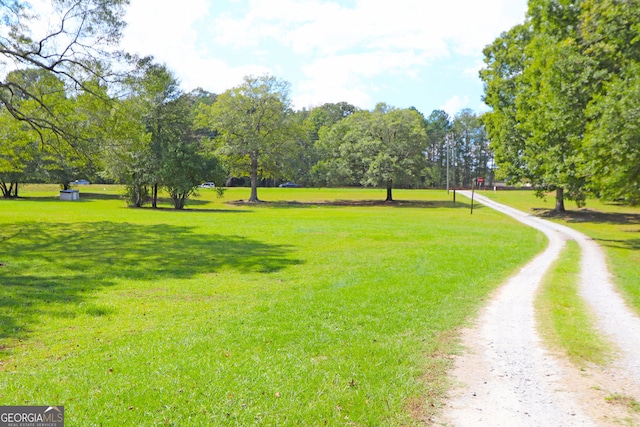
(564, 318)
(331, 310)
(615, 227)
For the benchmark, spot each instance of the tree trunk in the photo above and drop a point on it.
(15, 191)
(254, 178)
(559, 200)
(5, 191)
(179, 200)
(389, 188)
(154, 196)
(137, 197)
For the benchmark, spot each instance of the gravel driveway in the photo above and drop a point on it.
(507, 378)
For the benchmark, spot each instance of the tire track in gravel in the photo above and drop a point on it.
(507, 377)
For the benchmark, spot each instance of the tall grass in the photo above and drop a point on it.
(334, 310)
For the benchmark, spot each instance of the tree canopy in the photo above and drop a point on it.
(375, 148)
(157, 144)
(75, 41)
(255, 125)
(553, 83)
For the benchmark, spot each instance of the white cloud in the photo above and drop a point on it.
(455, 104)
(343, 46)
(158, 23)
(330, 50)
(293, 23)
(336, 78)
(172, 38)
(326, 27)
(482, 108)
(473, 70)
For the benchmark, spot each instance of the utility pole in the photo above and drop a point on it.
(448, 145)
(473, 192)
(453, 155)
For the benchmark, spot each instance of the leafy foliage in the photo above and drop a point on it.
(156, 143)
(471, 148)
(40, 154)
(374, 148)
(438, 128)
(71, 40)
(505, 61)
(554, 84)
(255, 126)
(612, 141)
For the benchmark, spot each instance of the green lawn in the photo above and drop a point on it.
(615, 227)
(317, 308)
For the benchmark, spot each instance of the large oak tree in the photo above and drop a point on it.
(375, 148)
(255, 125)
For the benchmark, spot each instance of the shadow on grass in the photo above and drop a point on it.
(187, 209)
(630, 244)
(165, 203)
(360, 203)
(83, 197)
(596, 217)
(48, 269)
(587, 215)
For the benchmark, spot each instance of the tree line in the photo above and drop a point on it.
(157, 136)
(564, 88)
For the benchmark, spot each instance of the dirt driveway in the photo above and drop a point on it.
(507, 378)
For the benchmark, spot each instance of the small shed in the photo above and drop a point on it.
(69, 195)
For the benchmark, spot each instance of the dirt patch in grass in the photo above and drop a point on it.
(423, 409)
(627, 401)
(604, 393)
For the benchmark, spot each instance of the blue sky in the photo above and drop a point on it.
(419, 53)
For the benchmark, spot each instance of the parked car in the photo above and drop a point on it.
(208, 185)
(290, 184)
(80, 182)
